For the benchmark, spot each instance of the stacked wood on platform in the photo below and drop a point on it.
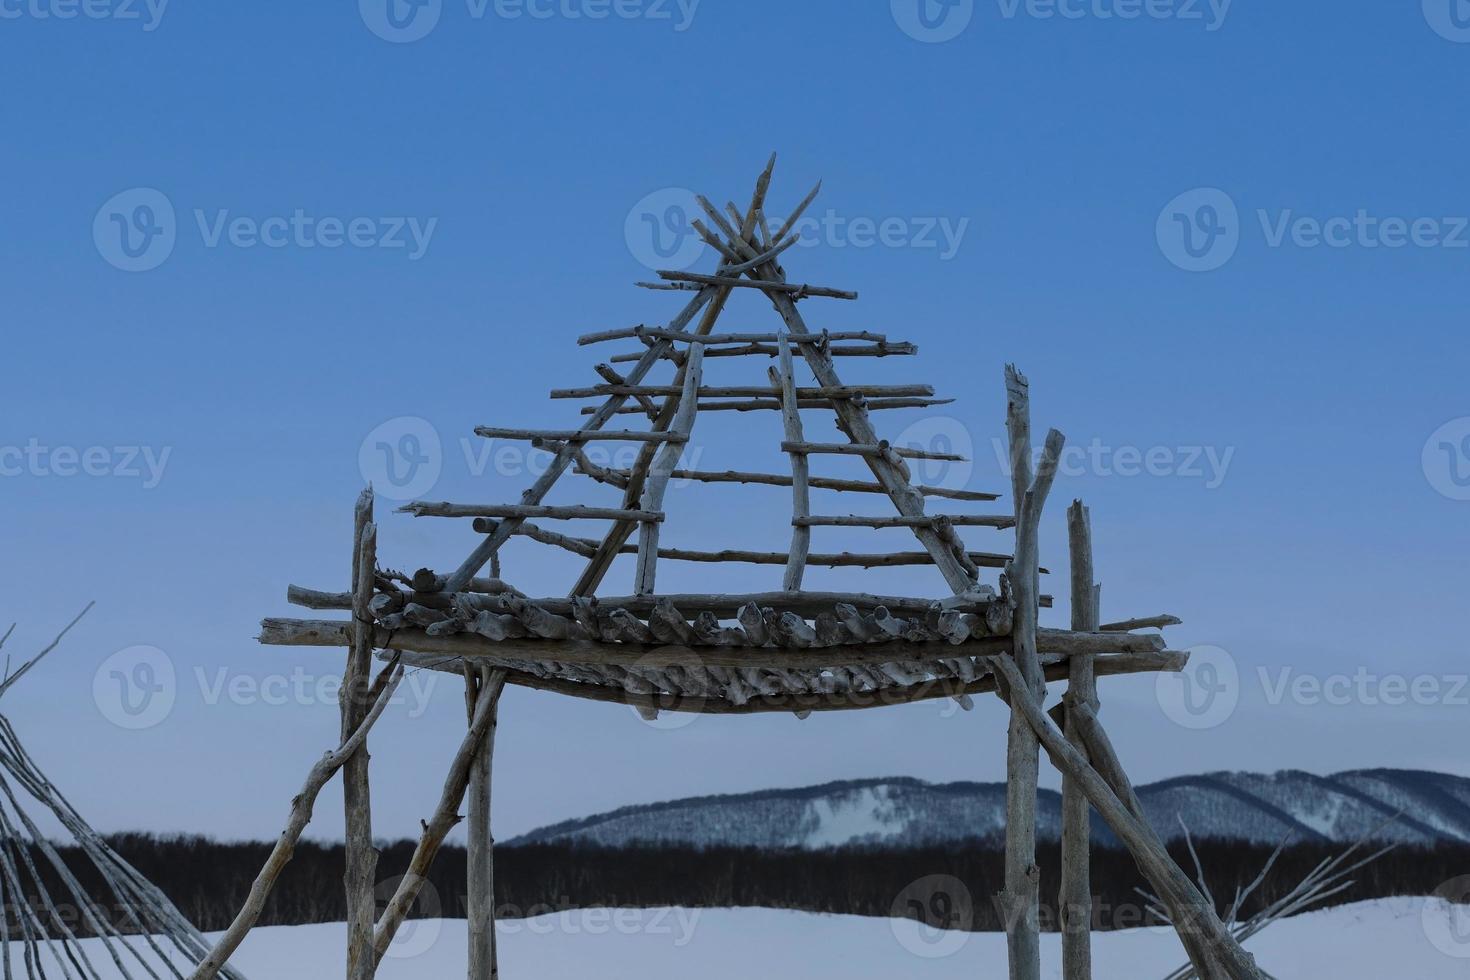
(788, 649)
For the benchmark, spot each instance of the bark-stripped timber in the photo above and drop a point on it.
(768, 404)
(1021, 899)
(801, 497)
(301, 811)
(853, 418)
(824, 392)
(361, 856)
(770, 350)
(878, 450)
(571, 513)
(612, 377)
(574, 435)
(601, 561)
(820, 483)
(1074, 901)
(1143, 623)
(877, 694)
(958, 520)
(480, 859)
(717, 339)
(585, 465)
(694, 280)
(559, 463)
(1195, 919)
(445, 816)
(664, 464)
(661, 642)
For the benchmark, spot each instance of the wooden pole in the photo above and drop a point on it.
(481, 862)
(361, 857)
(1075, 898)
(801, 500)
(1020, 902)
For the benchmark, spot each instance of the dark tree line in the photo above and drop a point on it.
(949, 886)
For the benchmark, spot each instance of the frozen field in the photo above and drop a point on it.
(1399, 939)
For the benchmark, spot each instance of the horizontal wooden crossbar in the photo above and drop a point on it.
(579, 435)
(564, 513)
(957, 520)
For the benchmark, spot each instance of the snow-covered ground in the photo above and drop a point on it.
(1397, 939)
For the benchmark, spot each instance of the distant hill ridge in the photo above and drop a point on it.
(1261, 808)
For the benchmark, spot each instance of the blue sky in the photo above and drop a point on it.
(1066, 156)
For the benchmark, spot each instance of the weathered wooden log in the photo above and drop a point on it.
(1074, 900)
(825, 393)
(361, 857)
(573, 436)
(612, 377)
(801, 498)
(819, 483)
(566, 513)
(1143, 623)
(709, 340)
(445, 816)
(961, 520)
(794, 290)
(301, 813)
(480, 842)
(876, 450)
(663, 465)
(771, 405)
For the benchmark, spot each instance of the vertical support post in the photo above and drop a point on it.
(801, 497)
(481, 911)
(1020, 903)
(362, 858)
(1075, 898)
(663, 468)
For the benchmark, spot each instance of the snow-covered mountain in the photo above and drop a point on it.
(908, 812)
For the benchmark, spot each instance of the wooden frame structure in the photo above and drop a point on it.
(790, 650)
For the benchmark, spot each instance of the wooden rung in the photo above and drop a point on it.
(817, 483)
(579, 435)
(958, 520)
(796, 290)
(768, 350)
(767, 404)
(679, 336)
(879, 449)
(564, 513)
(748, 391)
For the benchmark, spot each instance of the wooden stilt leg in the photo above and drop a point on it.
(362, 858)
(481, 912)
(1075, 898)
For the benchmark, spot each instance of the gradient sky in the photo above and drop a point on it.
(1331, 545)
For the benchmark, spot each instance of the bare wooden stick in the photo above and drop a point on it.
(480, 861)
(823, 392)
(796, 290)
(1075, 898)
(801, 498)
(958, 520)
(713, 339)
(819, 483)
(771, 404)
(663, 466)
(612, 377)
(1142, 623)
(878, 450)
(577, 435)
(572, 513)
(301, 811)
(445, 817)
(361, 856)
